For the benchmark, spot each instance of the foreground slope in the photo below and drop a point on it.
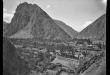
(96, 30)
(30, 21)
(12, 64)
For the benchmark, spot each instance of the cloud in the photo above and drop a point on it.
(104, 1)
(87, 23)
(7, 16)
(48, 6)
(13, 12)
(4, 9)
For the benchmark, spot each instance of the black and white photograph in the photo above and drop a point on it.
(54, 37)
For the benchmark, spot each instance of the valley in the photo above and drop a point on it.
(54, 58)
(47, 46)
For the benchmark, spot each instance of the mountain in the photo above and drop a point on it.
(70, 31)
(5, 24)
(30, 21)
(12, 64)
(96, 30)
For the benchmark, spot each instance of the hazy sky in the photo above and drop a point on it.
(75, 13)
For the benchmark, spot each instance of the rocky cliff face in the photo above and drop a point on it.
(30, 21)
(96, 30)
(12, 64)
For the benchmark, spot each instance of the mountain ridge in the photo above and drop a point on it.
(69, 30)
(30, 20)
(96, 30)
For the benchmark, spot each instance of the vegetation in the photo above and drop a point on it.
(46, 56)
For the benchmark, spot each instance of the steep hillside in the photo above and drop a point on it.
(96, 30)
(30, 21)
(66, 28)
(12, 64)
(4, 27)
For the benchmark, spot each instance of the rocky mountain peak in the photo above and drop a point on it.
(26, 7)
(30, 21)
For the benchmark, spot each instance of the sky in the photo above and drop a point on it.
(78, 14)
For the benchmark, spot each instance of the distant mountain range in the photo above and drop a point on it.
(30, 21)
(70, 31)
(96, 30)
